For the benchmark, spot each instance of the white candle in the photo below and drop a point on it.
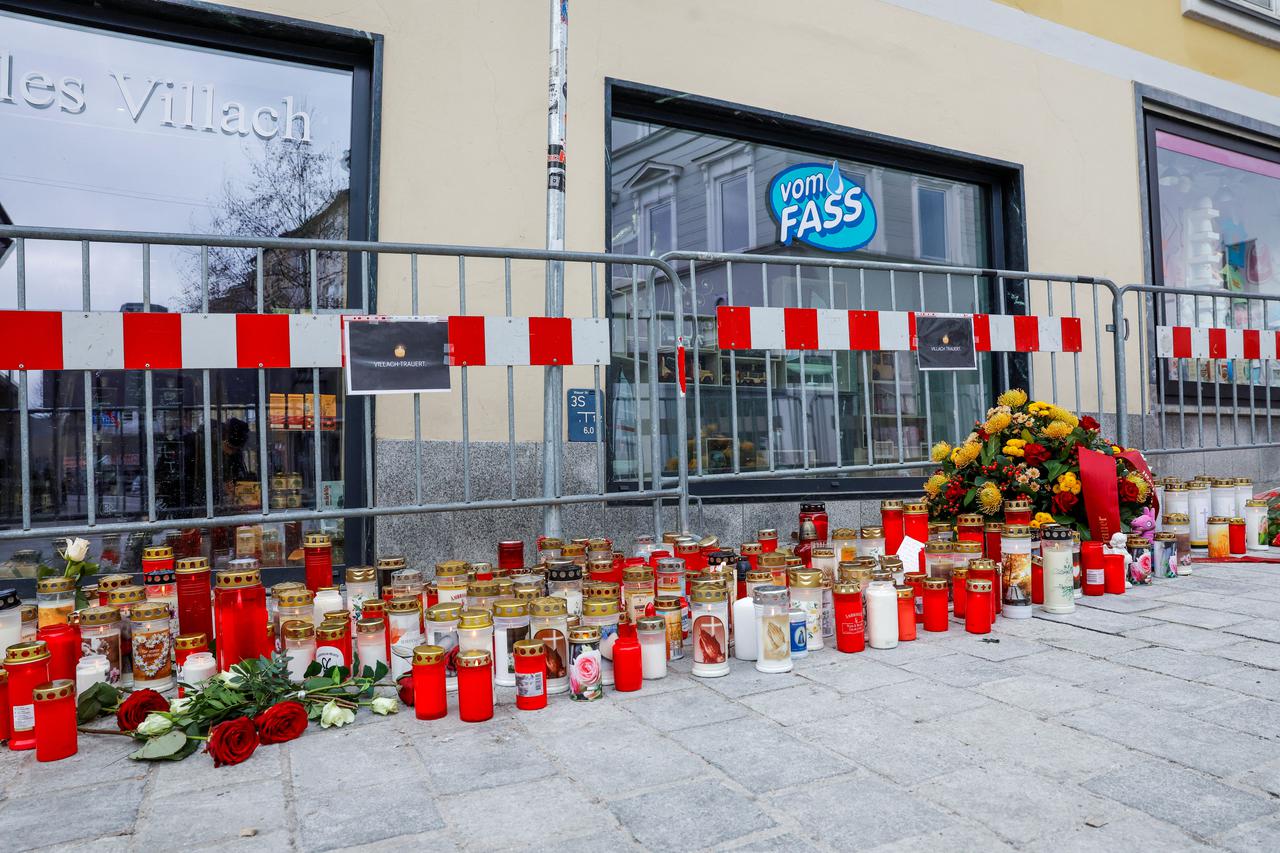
(744, 629)
(90, 670)
(882, 615)
(198, 668)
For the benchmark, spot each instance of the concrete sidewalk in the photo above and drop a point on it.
(1148, 721)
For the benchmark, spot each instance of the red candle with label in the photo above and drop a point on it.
(985, 570)
(1113, 573)
(970, 527)
(1093, 580)
(317, 556)
(430, 701)
(333, 644)
(1017, 511)
(906, 614)
(475, 685)
(195, 600)
(851, 629)
(1037, 580)
(241, 613)
(55, 719)
(767, 539)
(28, 666)
(915, 522)
(892, 521)
(935, 604)
(977, 613)
(817, 513)
(915, 580)
(63, 642)
(5, 718)
(959, 592)
(531, 674)
(1235, 537)
(992, 531)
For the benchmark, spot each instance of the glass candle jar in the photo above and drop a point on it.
(333, 644)
(776, 565)
(652, 633)
(371, 643)
(106, 583)
(959, 590)
(891, 519)
(1179, 524)
(63, 642)
(1113, 573)
(851, 633)
(767, 538)
(240, 615)
(198, 668)
(161, 586)
(27, 664)
(362, 585)
(10, 618)
(823, 559)
(991, 533)
(90, 670)
(403, 582)
(671, 608)
(373, 609)
(935, 604)
(430, 698)
(451, 581)
(969, 527)
(1236, 536)
(124, 598)
(1198, 502)
(530, 662)
(1244, 494)
(1176, 499)
(475, 686)
(575, 552)
(1218, 538)
(564, 581)
(915, 521)
(987, 570)
(294, 604)
(772, 608)
(941, 530)
(56, 599)
(510, 626)
(29, 623)
(404, 629)
(871, 542)
(1017, 511)
(1055, 556)
(1092, 569)
(806, 594)
(184, 646)
(55, 719)
(511, 554)
(1164, 555)
(915, 580)
(602, 613)
(152, 645)
(844, 541)
(977, 614)
(481, 594)
(799, 633)
(637, 590)
(1222, 497)
(882, 615)
(327, 598)
(964, 551)
(584, 664)
(475, 630)
(299, 646)
(548, 622)
(548, 547)
(939, 559)
(1015, 569)
(1255, 525)
(317, 557)
(100, 635)
(195, 596)
(906, 613)
(710, 631)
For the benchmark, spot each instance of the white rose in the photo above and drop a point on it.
(178, 706)
(332, 715)
(77, 550)
(384, 705)
(154, 724)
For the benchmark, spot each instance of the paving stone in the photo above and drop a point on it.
(1255, 716)
(1259, 835)
(1197, 616)
(925, 646)
(1258, 629)
(340, 815)
(197, 771)
(760, 755)
(701, 813)
(1044, 807)
(744, 679)
(1251, 680)
(680, 709)
(1093, 643)
(1222, 603)
(562, 714)
(1255, 652)
(995, 648)
(1164, 691)
(55, 816)
(789, 842)
(856, 674)
(619, 757)
(98, 759)
(921, 700)
(440, 841)
(1198, 804)
(212, 816)
(1040, 694)
(556, 812)
(671, 682)
(962, 670)
(961, 838)
(1127, 603)
(1182, 637)
(1192, 666)
(807, 702)
(319, 757)
(906, 754)
(881, 813)
(1070, 667)
(1265, 777)
(610, 839)
(1103, 621)
(1133, 833)
(474, 758)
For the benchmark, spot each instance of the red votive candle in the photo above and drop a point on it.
(1017, 511)
(977, 613)
(511, 554)
(959, 593)
(184, 646)
(377, 609)
(991, 532)
(475, 685)
(241, 613)
(915, 524)
(1093, 580)
(28, 667)
(628, 669)
(1235, 536)
(430, 701)
(531, 674)
(64, 650)
(891, 521)
(851, 632)
(935, 604)
(1037, 580)
(55, 717)
(1113, 573)
(915, 580)
(767, 539)
(970, 527)
(5, 717)
(195, 600)
(317, 557)
(906, 614)
(985, 570)
(751, 550)
(333, 644)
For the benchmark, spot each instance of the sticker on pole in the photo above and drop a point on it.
(945, 342)
(819, 205)
(396, 355)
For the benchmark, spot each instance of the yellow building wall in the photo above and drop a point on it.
(1159, 28)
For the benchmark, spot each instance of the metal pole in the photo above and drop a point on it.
(553, 376)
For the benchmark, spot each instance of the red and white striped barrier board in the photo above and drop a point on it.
(1204, 342)
(110, 340)
(477, 341)
(749, 327)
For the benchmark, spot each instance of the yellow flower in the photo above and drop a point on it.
(940, 451)
(1068, 482)
(965, 453)
(997, 422)
(1014, 447)
(1059, 414)
(1041, 518)
(934, 484)
(1056, 430)
(989, 498)
(1013, 398)
(1141, 484)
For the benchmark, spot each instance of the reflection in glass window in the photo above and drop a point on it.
(735, 214)
(931, 216)
(658, 217)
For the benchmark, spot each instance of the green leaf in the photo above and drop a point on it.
(1027, 436)
(379, 671)
(163, 747)
(969, 496)
(316, 684)
(87, 710)
(313, 669)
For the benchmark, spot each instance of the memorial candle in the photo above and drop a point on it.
(891, 519)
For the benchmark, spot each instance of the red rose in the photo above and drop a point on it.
(1090, 424)
(405, 684)
(1064, 502)
(232, 742)
(1128, 491)
(135, 709)
(982, 434)
(1035, 454)
(281, 722)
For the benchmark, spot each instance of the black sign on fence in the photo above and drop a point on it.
(945, 342)
(396, 355)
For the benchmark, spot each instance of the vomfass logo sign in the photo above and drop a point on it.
(816, 204)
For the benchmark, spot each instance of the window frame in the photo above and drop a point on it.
(1003, 207)
(737, 159)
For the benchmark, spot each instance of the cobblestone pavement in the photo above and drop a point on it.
(1148, 721)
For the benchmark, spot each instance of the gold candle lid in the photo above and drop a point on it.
(391, 563)
(317, 540)
(935, 583)
(549, 606)
(751, 548)
(369, 626)
(600, 607)
(890, 504)
(157, 552)
(27, 652)
(405, 604)
(584, 634)
(1017, 531)
(805, 578)
(426, 655)
(148, 611)
(846, 588)
(473, 619)
(62, 688)
(529, 648)
(55, 584)
(106, 583)
(238, 578)
(296, 598)
(510, 608)
(191, 642)
(191, 565)
(978, 585)
(126, 595)
(472, 658)
(905, 592)
(361, 574)
(297, 629)
(93, 616)
(331, 631)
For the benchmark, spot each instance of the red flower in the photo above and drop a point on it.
(405, 684)
(1035, 454)
(1089, 424)
(232, 742)
(1064, 502)
(282, 722)
(1128, 491)
(135, 709)
(982, 434)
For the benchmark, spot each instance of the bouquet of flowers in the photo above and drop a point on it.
(1029, 449)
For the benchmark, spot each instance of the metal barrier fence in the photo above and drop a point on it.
(1207, 380)
(359, 266)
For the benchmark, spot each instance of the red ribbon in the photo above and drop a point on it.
(680, 369)
(1101, 493)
